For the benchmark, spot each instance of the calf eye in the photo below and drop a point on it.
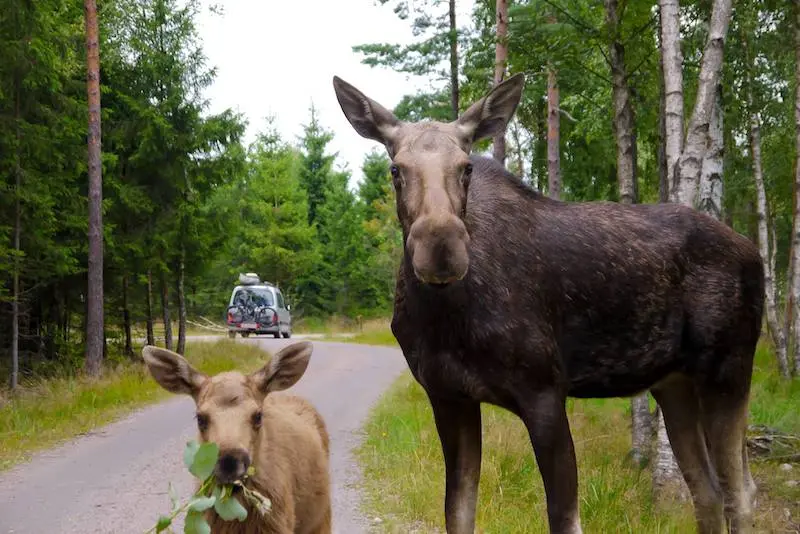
(202, 422)
(396, 179)
(256, 419)
(467, 176)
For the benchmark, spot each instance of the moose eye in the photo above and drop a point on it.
(468, 170)
(395, 170)
(202, 422)
(256, 419)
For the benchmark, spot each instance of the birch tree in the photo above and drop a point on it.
(686, 178)
(672, 64)
(711, 184)
(500, 59)
(687, 156)
(766, 248)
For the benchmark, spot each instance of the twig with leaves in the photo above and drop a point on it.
(200, 460)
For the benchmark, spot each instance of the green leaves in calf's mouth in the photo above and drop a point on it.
(200, 460)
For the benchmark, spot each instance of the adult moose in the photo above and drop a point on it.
(507, 297)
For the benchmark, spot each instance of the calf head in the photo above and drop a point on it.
(229, 405)
(431, 172)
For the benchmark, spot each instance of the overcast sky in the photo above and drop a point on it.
(277, 56)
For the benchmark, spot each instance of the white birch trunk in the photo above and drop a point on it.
(686, 180)
(667, 477)
(672, 65)
(665, 467)
(711, 185)
(766, 248)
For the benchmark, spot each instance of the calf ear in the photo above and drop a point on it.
(172, 371)
(284, 369)
(490, 115)
(368, 118)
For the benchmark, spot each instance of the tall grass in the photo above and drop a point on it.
(404, 470)
(45, 412)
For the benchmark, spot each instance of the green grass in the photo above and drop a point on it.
(404, 471)
(47, 412)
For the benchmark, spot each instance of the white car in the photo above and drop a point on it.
(258, 307)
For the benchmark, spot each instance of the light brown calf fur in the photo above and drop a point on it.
(282, 435)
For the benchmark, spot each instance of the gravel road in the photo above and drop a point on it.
(114, 480)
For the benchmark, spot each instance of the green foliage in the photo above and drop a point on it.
(316, 164)
(200, 460)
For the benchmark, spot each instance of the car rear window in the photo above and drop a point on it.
(253, 296)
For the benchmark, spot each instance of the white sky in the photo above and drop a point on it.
(277, 56)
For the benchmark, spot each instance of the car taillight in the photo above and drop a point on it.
(274, 318)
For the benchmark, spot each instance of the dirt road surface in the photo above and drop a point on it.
(115, 479)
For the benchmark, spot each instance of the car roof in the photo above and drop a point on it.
(259, 286)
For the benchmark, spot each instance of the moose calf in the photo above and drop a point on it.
(283, 436)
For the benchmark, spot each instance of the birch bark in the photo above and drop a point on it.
(776, 329)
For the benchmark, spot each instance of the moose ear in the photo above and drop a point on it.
(490, 115)
(172, 371)
(370, 119)
(284, 369)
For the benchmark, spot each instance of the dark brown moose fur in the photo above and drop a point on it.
(557, 299)
(288, 444)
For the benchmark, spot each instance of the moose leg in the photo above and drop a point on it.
(545, 417)
(459, 428)
(678, 401)
(725, 420)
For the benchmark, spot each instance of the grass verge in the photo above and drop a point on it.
(47, 412)
(404, 471)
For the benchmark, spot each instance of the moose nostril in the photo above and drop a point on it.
(228, 464)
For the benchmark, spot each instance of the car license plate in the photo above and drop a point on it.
(249, 325)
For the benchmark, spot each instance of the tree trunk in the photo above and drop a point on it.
(672, 65)
(553, 137)
(624, 123)
(453, 37)
(667, 478)
(165, 312)
(519, 152)
(539, 161)
(767, 256)
(661, 149)
(181, 304)
(687, 170)
(624, 134)
(686, 180)
(792, 312)
(151, 337)
(500, 59)
(94, 321)
(126, 318)
(665, 468)
(14, 378)
(711, 185)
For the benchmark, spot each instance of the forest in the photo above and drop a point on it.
(104, 237)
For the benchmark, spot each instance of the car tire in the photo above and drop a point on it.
(232, 334)
(277, 335)
(287, 334)
(245, 334)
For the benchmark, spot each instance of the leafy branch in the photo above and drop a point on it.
(200, 461)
